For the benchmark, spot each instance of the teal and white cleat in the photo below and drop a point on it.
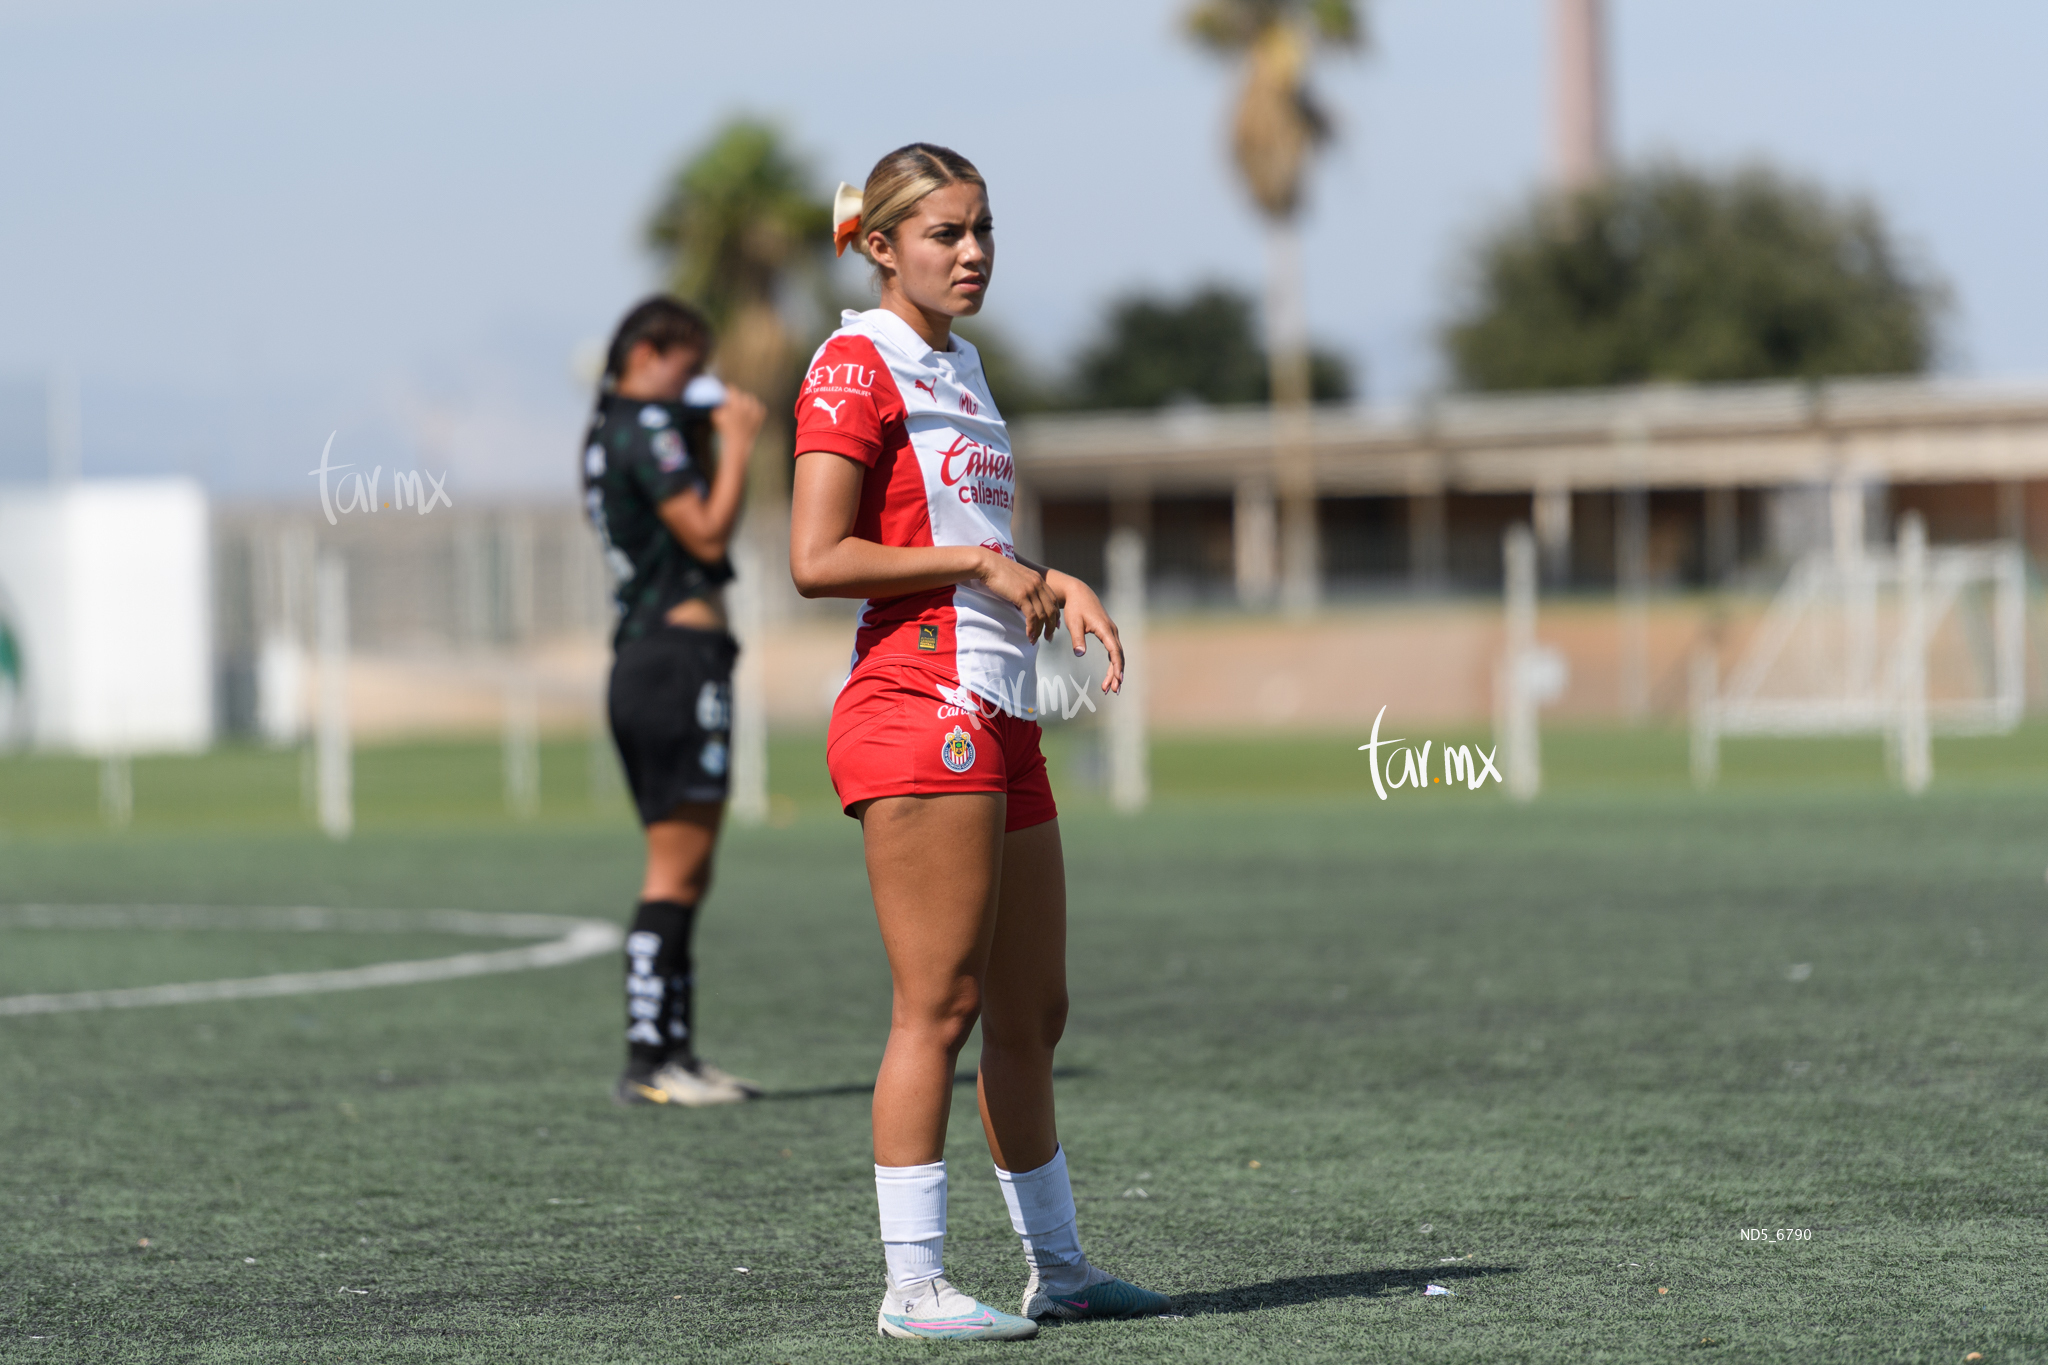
(939, 1312)
(1086, 1292)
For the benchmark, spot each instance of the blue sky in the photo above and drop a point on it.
(247, 225)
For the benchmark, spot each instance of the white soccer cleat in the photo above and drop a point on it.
(936, 1311)
(1083, 1291)
(718, 1075)
(696, 1088)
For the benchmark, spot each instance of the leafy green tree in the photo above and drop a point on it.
(1670, 273)
(1205, 347)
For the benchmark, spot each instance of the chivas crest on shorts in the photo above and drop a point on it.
(957, 751)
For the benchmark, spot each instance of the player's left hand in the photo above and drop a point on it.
(1085, 616)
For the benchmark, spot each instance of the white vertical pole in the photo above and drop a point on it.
(2009, 632)
(1519, 743)
(336, 778)
(117, 789)
(281, 659)
(1130, 775)
(1301, 580)
(1916, 750)
(1706, 719)
(521, 699)
(1859, 590)
(749, 791)
(522, 745)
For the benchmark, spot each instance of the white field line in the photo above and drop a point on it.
(577, 939)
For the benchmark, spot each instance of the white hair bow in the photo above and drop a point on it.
(845, 217)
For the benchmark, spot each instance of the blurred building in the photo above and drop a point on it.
(1651, 496)
(1678, 487)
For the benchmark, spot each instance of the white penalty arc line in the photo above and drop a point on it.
(575, 939)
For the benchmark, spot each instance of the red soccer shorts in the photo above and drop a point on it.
(894, 733)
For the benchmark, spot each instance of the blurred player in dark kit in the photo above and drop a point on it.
(664, 505)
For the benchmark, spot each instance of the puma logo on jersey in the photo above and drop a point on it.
(921, 384)
(831, 409)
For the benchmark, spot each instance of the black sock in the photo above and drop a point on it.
(658, 985)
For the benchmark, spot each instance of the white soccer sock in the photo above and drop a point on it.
(1042, 1211)
(913, 1203)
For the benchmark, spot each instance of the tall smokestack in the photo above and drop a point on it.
(1578, 93)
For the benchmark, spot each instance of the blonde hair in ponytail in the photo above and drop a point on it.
(901, 180)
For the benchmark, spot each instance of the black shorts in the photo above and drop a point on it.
(670, 703)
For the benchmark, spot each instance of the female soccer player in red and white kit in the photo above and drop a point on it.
(903, 496)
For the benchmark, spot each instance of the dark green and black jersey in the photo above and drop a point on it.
(636, 456)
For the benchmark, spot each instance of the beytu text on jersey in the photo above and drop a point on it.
(859, 378)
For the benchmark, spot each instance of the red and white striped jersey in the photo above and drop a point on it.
(938, 473)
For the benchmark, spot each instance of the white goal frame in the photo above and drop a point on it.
(1876, 680)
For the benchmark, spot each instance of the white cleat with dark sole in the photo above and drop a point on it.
(1086, 1292)
(938, 1312)
(693, 1088)
(718, 1075)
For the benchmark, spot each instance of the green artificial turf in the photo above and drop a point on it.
(1554, 1058)
(449, 783)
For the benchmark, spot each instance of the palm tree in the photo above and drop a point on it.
(1278, 125)
(737, 225)
(738, 220)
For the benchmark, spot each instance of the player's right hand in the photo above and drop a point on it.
(1024, 588)
(738, 422)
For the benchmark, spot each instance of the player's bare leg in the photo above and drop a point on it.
(988, 940)
(1024, 1012)
(1024, 1000)
(934, 863)
(679, 853)
(933, 866)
